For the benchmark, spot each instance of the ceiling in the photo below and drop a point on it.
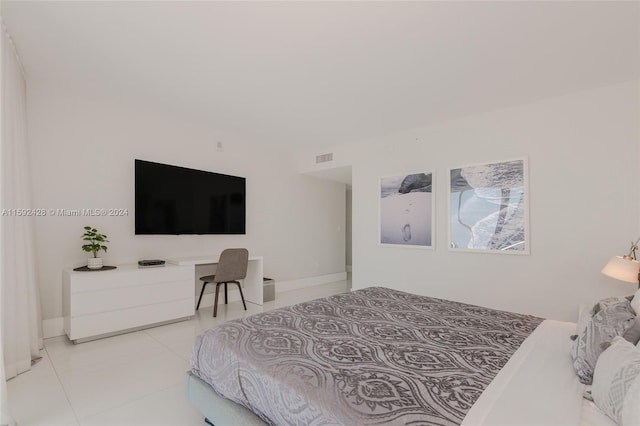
(315, 74)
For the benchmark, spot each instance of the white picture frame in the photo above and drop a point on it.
(406, 210)
(488, 208)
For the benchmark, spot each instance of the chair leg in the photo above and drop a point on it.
(225, 293)
(215, 305)
(241, 295)
(201, 293)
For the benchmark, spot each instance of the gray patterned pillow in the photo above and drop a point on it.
(635, 302)
(610, 318)
(633, 333)
(616, 382)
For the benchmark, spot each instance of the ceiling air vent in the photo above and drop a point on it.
(324, 158)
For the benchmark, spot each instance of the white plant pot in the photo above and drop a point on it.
(94, 262)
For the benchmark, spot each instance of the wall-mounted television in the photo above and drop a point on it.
(172, 200)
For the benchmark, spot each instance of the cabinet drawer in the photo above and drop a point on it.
(121, 320)
(89, 281)
(113, 299)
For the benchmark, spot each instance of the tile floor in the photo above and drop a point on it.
(130, 379)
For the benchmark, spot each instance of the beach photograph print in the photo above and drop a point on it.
(488, 208)
(406, 210)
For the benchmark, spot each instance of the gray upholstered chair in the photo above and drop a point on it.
(232, 267)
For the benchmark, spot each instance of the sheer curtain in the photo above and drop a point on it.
(20, 304)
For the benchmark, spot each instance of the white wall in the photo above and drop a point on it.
(348, 231)
(82, 149)
(583, 152)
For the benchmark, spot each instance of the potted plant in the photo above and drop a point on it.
(95, 243)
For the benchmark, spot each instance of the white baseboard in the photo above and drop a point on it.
(282, 286)
(53, 327)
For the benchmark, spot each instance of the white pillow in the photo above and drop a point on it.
(635, 302)
(616, 382)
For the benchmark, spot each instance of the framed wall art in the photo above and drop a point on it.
(407, 210)
(489, 208)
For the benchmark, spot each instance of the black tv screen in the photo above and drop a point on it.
(173, 200)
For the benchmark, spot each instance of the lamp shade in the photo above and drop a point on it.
(622, 268)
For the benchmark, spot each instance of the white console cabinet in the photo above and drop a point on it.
(102, 303)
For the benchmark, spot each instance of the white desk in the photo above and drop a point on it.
(251, 285)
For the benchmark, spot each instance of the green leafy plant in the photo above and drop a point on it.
(95, 240)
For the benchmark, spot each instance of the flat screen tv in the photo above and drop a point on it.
(172, 200)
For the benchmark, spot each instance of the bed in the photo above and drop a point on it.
(382, 356)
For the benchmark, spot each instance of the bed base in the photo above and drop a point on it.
(216, 409)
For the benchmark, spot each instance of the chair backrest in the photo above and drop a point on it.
(232, 265)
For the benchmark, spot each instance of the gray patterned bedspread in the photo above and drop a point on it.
(373, 356)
